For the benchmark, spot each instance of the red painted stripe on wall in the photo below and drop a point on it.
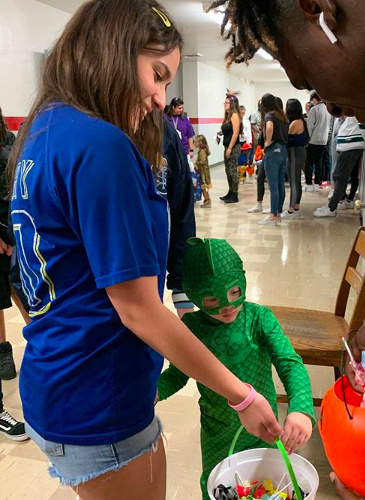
(206, 121)
(14, 122)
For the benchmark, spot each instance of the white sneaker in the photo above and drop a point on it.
(288, 215)
(266, 211)
(324, 212)
(297, 214)
(266, 221)
(308, 189)
(345, 204)
(316, 187)
(330, 194)
(256, 208)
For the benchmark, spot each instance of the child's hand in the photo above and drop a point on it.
(297, 430)
(357, 345)
(342, 491)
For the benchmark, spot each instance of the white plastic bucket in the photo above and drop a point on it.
(261, 464)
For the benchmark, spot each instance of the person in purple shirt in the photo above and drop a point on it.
(175, 114)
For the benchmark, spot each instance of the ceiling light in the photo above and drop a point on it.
(218, 18)
(265, 55)
(192, 56)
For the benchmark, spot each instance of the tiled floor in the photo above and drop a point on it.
(298, 263)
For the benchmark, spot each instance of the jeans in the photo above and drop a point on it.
(297, 157)
(347, 165)
(73, 464)
(275, 163)
(314, 159)
(231, 165)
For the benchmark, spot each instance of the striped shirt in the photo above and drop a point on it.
(350, 136)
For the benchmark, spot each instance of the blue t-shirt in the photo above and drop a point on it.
(86, 216)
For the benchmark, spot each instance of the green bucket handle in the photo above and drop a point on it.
(284, 455)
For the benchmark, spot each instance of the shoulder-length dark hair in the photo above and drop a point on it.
(3, 128)
(294, 111)
(270, 104)
(175, 103)
(93, 67)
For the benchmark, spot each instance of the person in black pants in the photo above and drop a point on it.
(318, 129)
(350, 149)
(261, 178)
(347, 167)
(9, 426)
(327, 160)
(174, 182)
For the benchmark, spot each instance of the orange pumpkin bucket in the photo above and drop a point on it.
(342, 428)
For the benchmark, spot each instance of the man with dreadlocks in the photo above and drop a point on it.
(321, 45)
(247, 339)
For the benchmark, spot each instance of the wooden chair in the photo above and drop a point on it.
(316, 335)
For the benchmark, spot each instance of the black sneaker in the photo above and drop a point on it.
(8, 371)
(11, 428)
(232, 199)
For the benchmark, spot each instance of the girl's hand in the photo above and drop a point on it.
(259, 419)
(297, 430)
(228, 152)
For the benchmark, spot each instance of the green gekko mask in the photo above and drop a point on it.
(211, 268)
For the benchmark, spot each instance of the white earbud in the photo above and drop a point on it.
(326, 29)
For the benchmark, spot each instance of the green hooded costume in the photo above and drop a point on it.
(248, 347)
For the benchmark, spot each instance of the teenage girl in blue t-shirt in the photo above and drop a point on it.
(92, 240)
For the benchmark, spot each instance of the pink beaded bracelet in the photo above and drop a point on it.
(246, 403)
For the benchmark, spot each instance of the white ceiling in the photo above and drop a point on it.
(201, 34)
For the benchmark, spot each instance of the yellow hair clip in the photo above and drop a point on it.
(163, 17)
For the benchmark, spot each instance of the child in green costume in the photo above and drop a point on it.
(247, 339)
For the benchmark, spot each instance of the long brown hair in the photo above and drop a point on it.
(234, 108)
(3, 128)
(202, 143)
(270, 104)
(93, 68)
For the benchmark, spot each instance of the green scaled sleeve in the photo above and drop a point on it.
(170, 382)
(289, 366)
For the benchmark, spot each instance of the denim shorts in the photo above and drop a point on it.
(74, 465)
